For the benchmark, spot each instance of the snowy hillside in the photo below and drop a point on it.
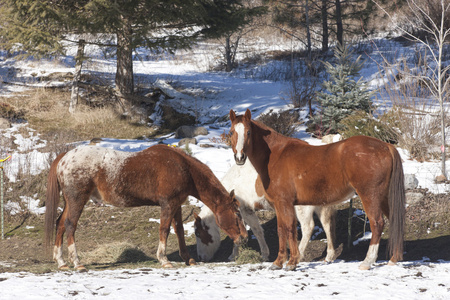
(210, 96)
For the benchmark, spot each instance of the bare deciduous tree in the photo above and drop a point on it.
(423, 19)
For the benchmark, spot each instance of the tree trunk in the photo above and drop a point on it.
(229, 65)
(441, 37)
(124, 72)
(324, 13)
(308, 31)
(339, 26)
(230, 51)
(76, 77)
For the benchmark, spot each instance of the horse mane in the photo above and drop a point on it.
(205, 177)
(267, 129)
(275, 134)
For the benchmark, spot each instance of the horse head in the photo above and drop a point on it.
(240, 131)
(229, 218)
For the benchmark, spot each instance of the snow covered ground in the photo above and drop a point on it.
(339, 280)
(210, 95)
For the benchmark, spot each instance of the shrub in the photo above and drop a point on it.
(416, 132)
(8, 111)
(363, 123)
(282, 122)
(224, 138)
(420, 132)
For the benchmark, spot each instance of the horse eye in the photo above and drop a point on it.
(248, 132)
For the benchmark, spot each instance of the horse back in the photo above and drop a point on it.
(124, 179)
(155, 175)
(327, 174)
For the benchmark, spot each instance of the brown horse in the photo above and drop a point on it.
(295, 173)
(244, 181)
(159, 175)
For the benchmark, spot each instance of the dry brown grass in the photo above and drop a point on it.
(46, 110)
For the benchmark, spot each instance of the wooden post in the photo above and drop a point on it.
(350, 216)
(1, 191)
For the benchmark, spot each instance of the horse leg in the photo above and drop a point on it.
(71, 226)
(57, 249)
(305, 217)
(287, 231)
(291, 227)
(327, 216)
(249, 216)
(164, 228)
(282, 239)
(235, 253)
(376, 220)
(177, 224)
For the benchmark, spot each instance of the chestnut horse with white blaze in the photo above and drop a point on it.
(244, 181)
(157, 176)
(296, 173)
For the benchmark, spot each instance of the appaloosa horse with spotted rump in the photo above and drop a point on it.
(296, 173)
(157, 176)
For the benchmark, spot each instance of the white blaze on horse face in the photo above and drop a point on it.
(240, 130)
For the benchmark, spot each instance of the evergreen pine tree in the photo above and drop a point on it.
(39, 26)
(342, 94)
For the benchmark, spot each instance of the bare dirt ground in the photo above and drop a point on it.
(109, 237)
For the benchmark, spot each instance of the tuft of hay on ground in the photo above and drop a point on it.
(248, 256)
(116, 252)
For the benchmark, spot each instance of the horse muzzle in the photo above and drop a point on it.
(242, 239)
(240, 160)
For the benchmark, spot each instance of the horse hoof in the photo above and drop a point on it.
(392, 263)
(192, 262)
(275, 267)
(81, 269)
(63, 268)
(168, 266)
(290, 267)
(364, 267)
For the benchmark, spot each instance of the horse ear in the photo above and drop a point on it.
(233, 196)
(248, 114)
(232, 115)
